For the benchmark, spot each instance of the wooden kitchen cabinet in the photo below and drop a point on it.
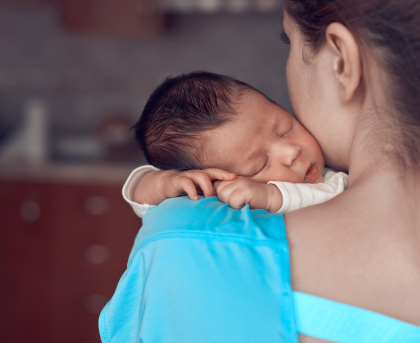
(106, 18)
(63, 249)
(114, 18)
(25, 249)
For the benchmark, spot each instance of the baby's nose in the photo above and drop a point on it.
(290, 153)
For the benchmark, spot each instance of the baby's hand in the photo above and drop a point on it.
(157, 186)
(178, 183)
(244, 191)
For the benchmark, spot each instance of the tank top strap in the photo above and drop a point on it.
(338, 322)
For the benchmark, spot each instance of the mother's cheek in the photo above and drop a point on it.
(292, 83)
(295, 80)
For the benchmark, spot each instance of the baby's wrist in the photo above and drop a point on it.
(275, 198)
(163, 183)
(149, 189)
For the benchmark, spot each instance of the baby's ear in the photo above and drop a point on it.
(346, 61)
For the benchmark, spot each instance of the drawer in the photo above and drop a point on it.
(75, 264)
(103, 209)
(94, 229)
(76, 311)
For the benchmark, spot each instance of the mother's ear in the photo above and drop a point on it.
(347, 67)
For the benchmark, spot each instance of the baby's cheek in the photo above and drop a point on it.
(315, 150)
(320, 179)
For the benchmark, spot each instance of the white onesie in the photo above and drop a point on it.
(295, 195)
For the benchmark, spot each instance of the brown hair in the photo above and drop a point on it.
(392, 26)
(179, 110)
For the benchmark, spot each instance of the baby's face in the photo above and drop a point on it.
(266, 143)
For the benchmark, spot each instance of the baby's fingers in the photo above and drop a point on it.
(204, 182)
(219, 174)
(188, 186)
(238, 199)
(224, 189)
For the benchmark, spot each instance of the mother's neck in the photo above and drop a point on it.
(375, 167)
(375, 150)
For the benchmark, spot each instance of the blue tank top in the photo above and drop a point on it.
(203, 272)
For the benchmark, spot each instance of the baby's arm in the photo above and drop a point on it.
(148, 186)
(277, 196)
(130, 187)
(299, 195)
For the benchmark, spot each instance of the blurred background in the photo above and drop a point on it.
(74, 78)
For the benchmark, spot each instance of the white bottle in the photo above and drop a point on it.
(30, 142)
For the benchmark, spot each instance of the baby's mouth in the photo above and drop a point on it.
(311, 174)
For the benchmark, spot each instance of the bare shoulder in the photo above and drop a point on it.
(354, 254)
(318, 237)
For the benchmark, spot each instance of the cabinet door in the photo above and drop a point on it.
(94, 230)
(25, 261)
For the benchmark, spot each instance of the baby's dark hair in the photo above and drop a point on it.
(181, 108)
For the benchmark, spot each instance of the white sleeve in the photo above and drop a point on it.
(299, 195)
(130, 186)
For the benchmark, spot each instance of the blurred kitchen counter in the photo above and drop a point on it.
(75, 173)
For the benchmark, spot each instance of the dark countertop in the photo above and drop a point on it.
(82, 173)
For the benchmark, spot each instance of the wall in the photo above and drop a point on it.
(82, 78)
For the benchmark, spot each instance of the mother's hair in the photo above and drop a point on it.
(390, 27)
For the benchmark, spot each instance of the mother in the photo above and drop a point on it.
(354, 80)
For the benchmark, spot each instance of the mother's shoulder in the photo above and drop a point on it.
(321, 226)
(319, 220)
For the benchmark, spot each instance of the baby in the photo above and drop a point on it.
(213, 134)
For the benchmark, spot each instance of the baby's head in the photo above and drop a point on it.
(203, 120)
(171, 128)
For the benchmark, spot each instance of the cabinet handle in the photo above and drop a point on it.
(97, 205)
(30, 211)
(97, 254)
(94, 303)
